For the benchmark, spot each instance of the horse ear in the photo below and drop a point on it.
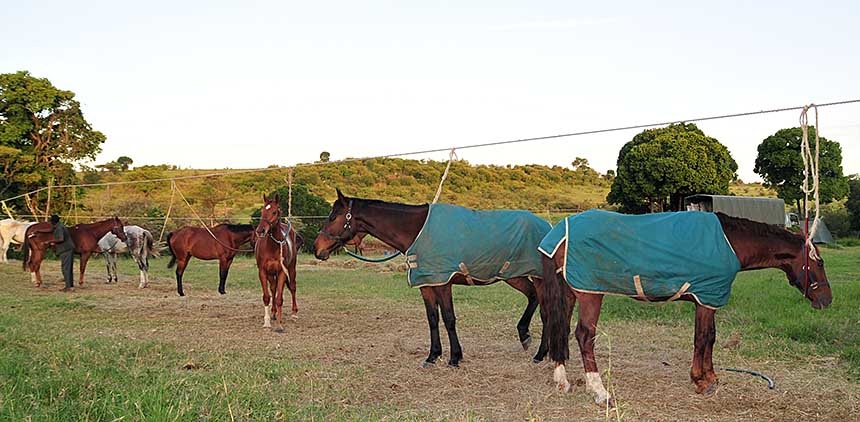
(277, 198)
(340, 197)
(265, 198)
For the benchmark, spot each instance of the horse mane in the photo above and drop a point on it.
(739, 224)
(390, 205)
(238, 228)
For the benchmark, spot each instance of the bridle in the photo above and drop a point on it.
(347, 233)
(805, 275)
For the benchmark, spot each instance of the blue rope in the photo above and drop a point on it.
(361, 258)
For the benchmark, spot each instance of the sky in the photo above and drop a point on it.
(209, 84)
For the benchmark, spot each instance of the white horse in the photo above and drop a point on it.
(141, 246)
(12, 232)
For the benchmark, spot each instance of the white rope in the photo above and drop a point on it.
(810, 170)
(7, 210)
(451, 157)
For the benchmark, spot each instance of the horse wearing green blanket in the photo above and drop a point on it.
(445, 245)
(690, 256)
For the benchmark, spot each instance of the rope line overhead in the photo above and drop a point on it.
(445, 149)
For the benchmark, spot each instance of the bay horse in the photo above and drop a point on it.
(398, 225)
(12, 232)
(197, 242)
(85, 237)
(755, 245)
(139, 243)
(275, 249)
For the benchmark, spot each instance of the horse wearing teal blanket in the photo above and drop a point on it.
(444, 245)
(690, 256)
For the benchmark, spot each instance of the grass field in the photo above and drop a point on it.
(114, 352)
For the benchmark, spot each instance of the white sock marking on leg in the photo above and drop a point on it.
(594, 384)
(560, 377)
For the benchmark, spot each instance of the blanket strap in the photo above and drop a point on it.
(412, 261)
(465, 272)
(680, 292)
(505, 267)
(640, 293)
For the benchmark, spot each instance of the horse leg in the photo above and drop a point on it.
(702, 371)
(85, 256)
(528, 289)
(291, 284)
(446, 302)
(274, 281)
(586, 331)
(264, 283)
(432, 307)
(4, 247)
(181, 263)
(279, 300)
(107, 265)
(223, 269)
(113, 259)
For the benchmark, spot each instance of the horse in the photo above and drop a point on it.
(12, 232)
(85, 237)
(275, 250)
(751, 245)
(399, 225)
(200, 243)
(140, 243)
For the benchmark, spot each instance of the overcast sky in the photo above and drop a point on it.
(248, 84)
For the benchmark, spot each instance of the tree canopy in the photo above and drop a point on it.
(42, 132)
(659, 167)
(780, 164)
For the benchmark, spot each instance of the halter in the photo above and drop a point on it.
(347, 228)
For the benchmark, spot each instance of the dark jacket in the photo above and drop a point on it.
(63, 239)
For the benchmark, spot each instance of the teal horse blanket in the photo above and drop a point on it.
(482, 245)
(653, 256)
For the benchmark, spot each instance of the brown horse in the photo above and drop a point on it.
(756, 245)
(199, 243)
(85, 236)
(275, 249)
(398, 225)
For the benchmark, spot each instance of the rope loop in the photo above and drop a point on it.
(451, 157)
(810, 171)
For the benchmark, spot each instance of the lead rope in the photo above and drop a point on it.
(810, 169)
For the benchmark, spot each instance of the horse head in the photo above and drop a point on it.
(270, 216)
(805, 271)
(118, 229)
(338, 230)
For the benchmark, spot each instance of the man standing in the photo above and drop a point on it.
(65, 249)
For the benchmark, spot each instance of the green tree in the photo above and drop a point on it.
(659, 167)
(853, 203)
(124, 162)
(780, 164)
(305, 203)
(325, 156)
(42, 133)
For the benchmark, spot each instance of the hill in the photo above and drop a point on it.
(546, 190)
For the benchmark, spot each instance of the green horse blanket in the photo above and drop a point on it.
(481, 245)
(658, 256)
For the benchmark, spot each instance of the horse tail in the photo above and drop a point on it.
(25, 250)
(170, 249)
(553, 300)
(300, 241)
(150, 245)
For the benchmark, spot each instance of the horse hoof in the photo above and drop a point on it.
(294, 317)
(279, 330)
(537, 360)
(428, 365)
(711, 389)
(222, 292)
(454, 365)
(526, 343)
